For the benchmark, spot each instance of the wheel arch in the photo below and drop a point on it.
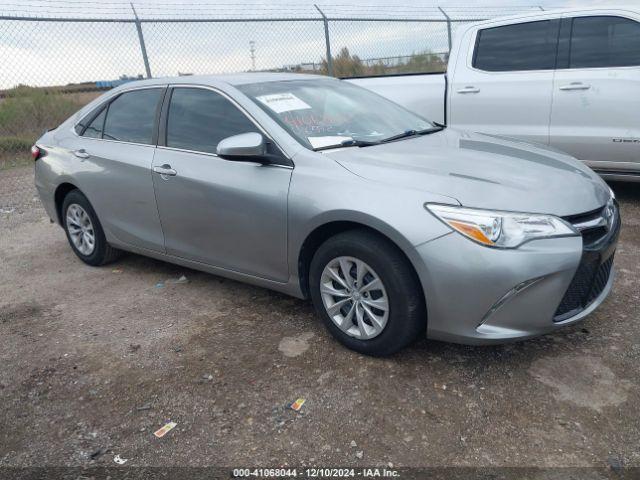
(326, 230)
(61, 192)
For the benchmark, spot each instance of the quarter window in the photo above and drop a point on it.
(523, 46)
(604, 42)
(198, 119)
(94, 130)
(131, 116)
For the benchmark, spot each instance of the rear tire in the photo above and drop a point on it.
(391, 314)
(84, 231)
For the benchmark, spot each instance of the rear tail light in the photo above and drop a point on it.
(36, 152)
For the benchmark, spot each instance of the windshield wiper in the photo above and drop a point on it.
(412, 133)
(348, 143)
(354, 142)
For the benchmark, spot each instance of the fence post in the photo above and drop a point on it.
(145, 58)
(327, 41)
(448, 28)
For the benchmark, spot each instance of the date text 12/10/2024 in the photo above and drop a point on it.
(315, 472)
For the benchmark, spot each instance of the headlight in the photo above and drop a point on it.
(501, 229)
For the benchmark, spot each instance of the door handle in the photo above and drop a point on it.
(165, 170)
(469, 89)
(82, 153)
(575, 86)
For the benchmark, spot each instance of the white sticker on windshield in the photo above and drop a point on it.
(283, 102)
(319, 142)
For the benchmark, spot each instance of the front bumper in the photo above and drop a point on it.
(478, 295)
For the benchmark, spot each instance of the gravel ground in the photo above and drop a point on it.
(96, 359)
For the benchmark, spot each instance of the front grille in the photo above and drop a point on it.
(600, 280)
(588, 282)
(592, 234)
(593, 273)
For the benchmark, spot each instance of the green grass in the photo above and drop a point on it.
(12, 145)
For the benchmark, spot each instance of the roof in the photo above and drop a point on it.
(230, 79)
(556, 12)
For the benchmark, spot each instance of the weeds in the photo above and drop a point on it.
(26, 112)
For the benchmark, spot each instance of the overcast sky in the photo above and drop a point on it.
(56, 53)
(114, 7)
(119, 8)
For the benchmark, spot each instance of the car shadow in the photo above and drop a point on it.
(423, 350)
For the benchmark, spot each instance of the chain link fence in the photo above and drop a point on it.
(55, 61)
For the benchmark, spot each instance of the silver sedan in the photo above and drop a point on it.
(394, 226)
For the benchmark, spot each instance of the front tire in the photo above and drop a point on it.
(84, 231)
(367, 293)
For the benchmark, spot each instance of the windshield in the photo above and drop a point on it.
(327, 113)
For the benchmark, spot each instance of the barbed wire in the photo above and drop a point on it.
(117, 9)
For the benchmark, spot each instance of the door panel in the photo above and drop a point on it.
(227, 214)
(505, 85)
(595, 115)
(599, 122)
(112, 161)
(116, 177)
(506, 103)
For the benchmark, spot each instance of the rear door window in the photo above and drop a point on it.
(131, 116)
(198, 119)
(523, 46)
(605, 41)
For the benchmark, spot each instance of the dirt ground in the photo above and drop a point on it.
(94, 360)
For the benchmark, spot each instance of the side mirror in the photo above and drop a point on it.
(248, 147)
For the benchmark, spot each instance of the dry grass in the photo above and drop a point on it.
(15, 160)
(27, 112)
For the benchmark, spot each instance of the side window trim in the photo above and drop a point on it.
(104, 121)
(476, 44)
(164, 119)
(555, 21)
(564, 43)
(570, 43)
(156, 117)
(105, 118)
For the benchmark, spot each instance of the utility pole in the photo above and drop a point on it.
(252, 53)
(145, 58)
(449, 33)
(327, 42)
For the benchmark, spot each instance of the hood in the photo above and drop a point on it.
(482, 171)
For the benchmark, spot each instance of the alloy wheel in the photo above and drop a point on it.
(81, 229)
(354, 297)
